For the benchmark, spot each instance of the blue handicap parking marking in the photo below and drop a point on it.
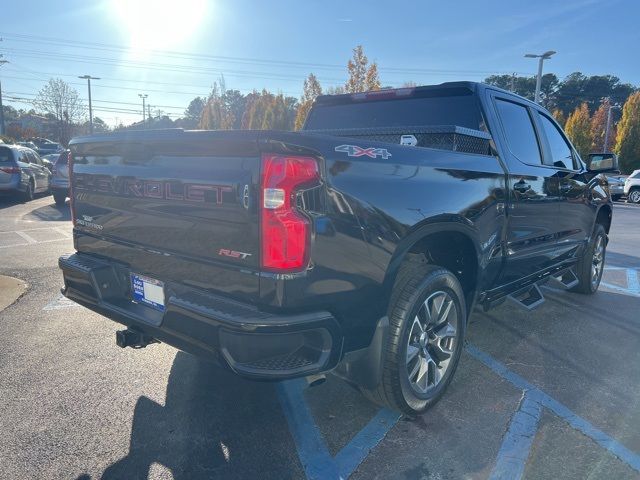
(312, 450)
(318, 463)
(534, 394)
(633, 281)
(516, 445)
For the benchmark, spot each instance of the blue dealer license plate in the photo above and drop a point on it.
(147, 291)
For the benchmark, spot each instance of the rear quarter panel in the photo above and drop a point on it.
(373, 207)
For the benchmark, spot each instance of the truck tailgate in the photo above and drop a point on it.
(175, 206)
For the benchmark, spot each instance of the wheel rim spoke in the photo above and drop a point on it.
(597, 261)
(431, 342)
(412, 352)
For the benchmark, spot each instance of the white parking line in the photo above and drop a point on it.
(22, 234)
(30, 240)
(63, 232)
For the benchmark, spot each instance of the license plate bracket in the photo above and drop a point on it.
(148, 291)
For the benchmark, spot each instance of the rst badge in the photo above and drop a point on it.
(233, 254)
(356, 151)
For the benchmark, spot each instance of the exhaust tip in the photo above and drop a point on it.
(315, 380)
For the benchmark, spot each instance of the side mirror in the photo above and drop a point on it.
(602, 162)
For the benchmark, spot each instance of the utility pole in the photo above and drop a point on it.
(606, 130)
(2, 62)
(88, 78)
(542, 58)
(143, 96)
(513, 82)
(149, 112)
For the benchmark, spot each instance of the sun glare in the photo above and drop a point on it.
(159, 24)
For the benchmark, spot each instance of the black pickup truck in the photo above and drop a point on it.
(358, 246)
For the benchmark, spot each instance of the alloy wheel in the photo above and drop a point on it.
(432, 341)
(598, 261)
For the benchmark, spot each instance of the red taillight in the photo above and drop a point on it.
(71, 199)
(10, 169)
(286, 232)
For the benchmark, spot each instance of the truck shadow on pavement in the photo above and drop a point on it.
(51, 213)
(213, 424)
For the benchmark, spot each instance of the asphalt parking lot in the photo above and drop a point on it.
(551, 393)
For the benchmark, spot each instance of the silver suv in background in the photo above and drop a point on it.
(616, 186)
(22, 172)
(60, 178)
(632, 187)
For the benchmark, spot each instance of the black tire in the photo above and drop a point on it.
(634, 195)
(60, 198)
(28, 194)
(592, 258)
(616, 198)
(417, 283)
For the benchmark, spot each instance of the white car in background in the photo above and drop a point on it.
(632, 187)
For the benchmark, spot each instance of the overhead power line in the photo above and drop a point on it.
(25, 38)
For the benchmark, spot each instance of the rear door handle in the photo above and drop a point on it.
(521, 187)
(565, 187)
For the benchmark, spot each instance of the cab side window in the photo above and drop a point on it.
(561, 152)
(519, 131)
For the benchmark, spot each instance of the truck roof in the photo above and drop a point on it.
(452, 88)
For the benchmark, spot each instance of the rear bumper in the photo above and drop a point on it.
(12, 185)
(252, 343)
(59, 183)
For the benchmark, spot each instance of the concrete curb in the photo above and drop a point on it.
(11, 289)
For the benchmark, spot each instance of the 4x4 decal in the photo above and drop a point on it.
(356, 151)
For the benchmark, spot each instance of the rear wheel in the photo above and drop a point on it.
(27, 195)
(59, 197)
(591, 265)
(634, 195)
(427, 322)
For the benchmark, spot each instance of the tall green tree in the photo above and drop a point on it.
(628, 137)
(193, 113)
(310, 91)
(362, 76)
(578, 129)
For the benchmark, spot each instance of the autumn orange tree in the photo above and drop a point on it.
(362, 76)
(578, 129)
(310, 91)
(559, 117)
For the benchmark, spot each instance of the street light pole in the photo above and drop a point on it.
(606, 130)
(542, 58)
(143, 96)
(88, 78)
(2, 62)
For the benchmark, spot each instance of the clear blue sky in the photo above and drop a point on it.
(275, 44)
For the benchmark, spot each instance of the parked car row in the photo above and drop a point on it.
(43, 146)
(24, 173)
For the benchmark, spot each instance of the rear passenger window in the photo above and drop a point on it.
(561, 155)
(33, 158)
(23, 157)
(519, 131)
(5, 155)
